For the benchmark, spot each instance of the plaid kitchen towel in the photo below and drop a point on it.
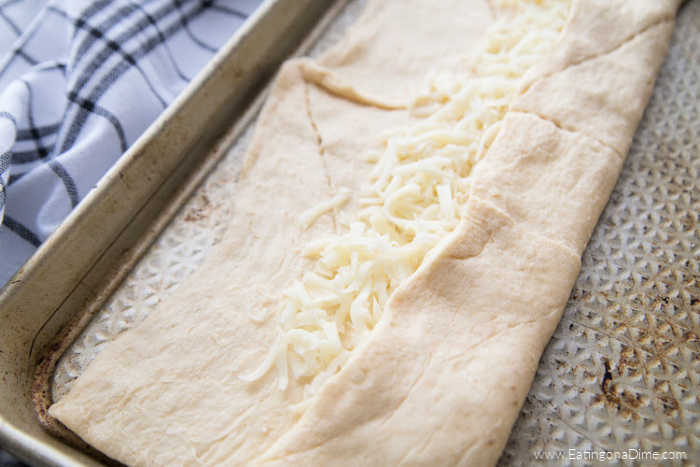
(79, 82)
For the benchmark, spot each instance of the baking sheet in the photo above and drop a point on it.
(623, 368)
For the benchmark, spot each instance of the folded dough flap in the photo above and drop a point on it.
(441, 382)
(385, 55)
(599, 78)
(551, 181)
(598, 27)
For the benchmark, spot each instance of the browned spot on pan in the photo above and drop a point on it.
(623, 401)
(199, 211)
(666, 399)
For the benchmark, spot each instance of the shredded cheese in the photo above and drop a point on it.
(417, 190)
(310, 216)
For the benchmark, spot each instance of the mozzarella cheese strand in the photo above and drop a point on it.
(415, 195)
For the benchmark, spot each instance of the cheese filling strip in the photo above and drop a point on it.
(397, 260)
(416, 195)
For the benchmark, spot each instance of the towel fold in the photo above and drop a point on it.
(79, 82)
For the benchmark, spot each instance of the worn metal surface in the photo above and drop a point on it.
(623, 368)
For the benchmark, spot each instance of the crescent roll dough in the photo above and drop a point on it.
(442, 375)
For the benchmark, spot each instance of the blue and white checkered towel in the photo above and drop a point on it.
(79, 82)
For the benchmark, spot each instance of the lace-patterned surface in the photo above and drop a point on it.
(623, 368)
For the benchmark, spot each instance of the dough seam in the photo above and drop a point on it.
(424, 366)
(513, 222)
(663, 20)
(329, 81)
(560, 126)
(321, 149)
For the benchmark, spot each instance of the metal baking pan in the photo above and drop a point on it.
(622, 370)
